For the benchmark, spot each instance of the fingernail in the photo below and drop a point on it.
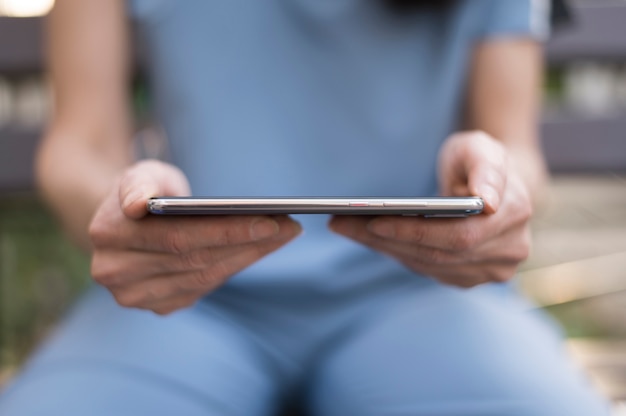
(382, 229)
(263, 228)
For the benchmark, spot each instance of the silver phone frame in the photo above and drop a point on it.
(425, 206)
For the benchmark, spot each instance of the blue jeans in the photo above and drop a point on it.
(416, 349)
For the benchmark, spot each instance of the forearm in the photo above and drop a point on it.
(504, 100)
(73, 179)
(87, 144)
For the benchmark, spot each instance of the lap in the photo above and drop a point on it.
(432, 350)
(442, 351)
(109, 360)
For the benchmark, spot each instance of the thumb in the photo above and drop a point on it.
(476, 163)
(148, 179)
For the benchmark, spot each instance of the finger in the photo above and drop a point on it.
(148, 179)
(171, 305)
(510, 246)
(467, 275)
(146, 293)
(184, 234)
(122, 267)
(464, 233)
(458, 273)
(462, 274)
(134, 298)
(458, 234)
(215, 274)
(356, 228)
(117, 267)
(474, 163)
(450, 234)
(113, 268)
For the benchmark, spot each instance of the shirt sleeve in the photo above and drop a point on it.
(516, 18)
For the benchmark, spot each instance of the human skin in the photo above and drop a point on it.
(86, 173)
(501, 161)
(165, 264)
(461, 252)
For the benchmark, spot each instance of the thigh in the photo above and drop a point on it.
(106, 360)
(442, 351)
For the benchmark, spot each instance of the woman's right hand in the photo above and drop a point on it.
(167, 263)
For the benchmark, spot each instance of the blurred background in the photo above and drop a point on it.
(577, 270)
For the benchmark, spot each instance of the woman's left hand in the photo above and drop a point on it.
(461, 251)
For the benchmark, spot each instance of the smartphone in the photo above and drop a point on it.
(425, 206)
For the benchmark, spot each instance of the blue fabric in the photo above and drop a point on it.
(310, 97)
(313, 98)
(413, 350)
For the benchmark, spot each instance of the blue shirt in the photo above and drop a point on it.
(315, 98)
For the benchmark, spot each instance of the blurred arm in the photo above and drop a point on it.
(504, 100)
(87, 144)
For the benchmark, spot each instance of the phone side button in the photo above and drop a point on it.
(459, 215)
(359, 204)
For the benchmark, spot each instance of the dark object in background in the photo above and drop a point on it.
(560, 14)
(408, 6)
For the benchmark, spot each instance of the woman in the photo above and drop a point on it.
(360, 315)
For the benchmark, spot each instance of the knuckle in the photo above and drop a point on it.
(176, 241)
(153, 293)
(206, 277)
(210, 277)
(99, 233)
(257, 252)
(463, 241)
(416, 234)
(435, 257)
(195, 259)
(229, 236)
(188, 283)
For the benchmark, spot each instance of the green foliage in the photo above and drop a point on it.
(40, 274)
(554, 87)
